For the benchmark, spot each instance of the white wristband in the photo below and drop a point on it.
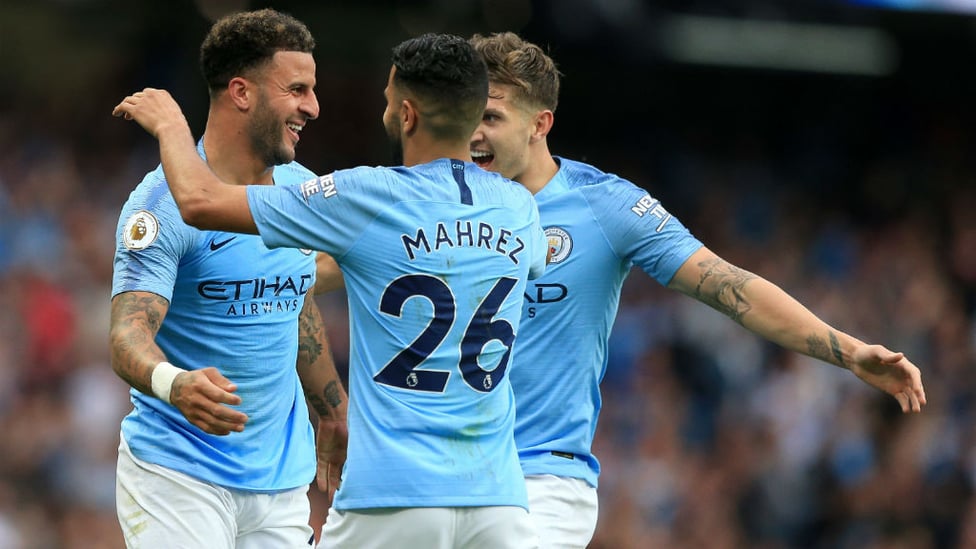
(162, 380)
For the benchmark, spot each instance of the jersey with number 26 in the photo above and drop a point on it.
(435, 259)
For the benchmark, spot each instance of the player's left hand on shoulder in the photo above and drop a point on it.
(152, 108)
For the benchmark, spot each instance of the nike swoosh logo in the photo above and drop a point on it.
(214, 246)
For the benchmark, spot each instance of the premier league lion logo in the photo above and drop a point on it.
(140, 230)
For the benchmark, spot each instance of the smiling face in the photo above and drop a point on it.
(285, 102)
(501, 142)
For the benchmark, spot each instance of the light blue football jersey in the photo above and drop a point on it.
(598, 226)
(234, 304)
(435, 259)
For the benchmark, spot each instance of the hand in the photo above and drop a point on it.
(153, 109)
(203, 396)
(330, 450)
(892, 373)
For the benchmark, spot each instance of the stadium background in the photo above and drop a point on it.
(828, 147)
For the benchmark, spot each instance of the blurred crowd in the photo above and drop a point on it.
(709, 438)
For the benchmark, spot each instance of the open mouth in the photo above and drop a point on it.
(295, 130)
(482, 158)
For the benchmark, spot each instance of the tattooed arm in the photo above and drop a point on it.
(766, 310)
(324, 393)
(201, 395)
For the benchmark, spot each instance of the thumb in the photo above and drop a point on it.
(892, 357)
(218, 379)
(227, 386)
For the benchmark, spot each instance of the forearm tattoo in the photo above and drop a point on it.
(328, 401)
(818, 348)
(720, 286)
(136, 317)
(312, 346)
(310, 333)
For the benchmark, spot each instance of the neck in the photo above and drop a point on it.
(541, 169)
(229, 153)
(421, 149)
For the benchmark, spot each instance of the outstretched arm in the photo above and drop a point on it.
(324, 392)
(765, 309)
(205, 201)
(203, 396)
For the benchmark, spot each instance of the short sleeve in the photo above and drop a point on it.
(640, 229)
(150, 241)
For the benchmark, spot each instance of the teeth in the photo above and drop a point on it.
(295, 127)
(480, 154)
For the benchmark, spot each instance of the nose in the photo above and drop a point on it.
(310, 107)
(478, 135)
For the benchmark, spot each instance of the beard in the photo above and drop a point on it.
(396, 150)
(264, 131)
(396, 142)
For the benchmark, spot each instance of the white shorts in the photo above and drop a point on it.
(159, 507)
(564, 511)
(429, 528)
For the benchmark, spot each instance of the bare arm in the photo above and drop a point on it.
(202, 396)
(325, 394)
(328, 277)
(766, 310)
(205, 201)
(134, 321)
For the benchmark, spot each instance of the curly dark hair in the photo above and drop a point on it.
(242, 42)
(522, 65)
(449, 80)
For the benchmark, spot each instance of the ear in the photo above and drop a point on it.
(541, 124)
(409, 120)
(239, 91)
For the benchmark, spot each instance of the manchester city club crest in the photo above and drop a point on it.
(140, 230)
(560, 244)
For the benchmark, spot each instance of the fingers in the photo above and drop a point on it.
(217, 419)
(122, 110)
(903, 401)
(918, 397)
(215, 426)
(204, 397)
(149, 103)
(328, 482)
(916, 391)
(913, 397)
(909, 402)
(916, 406)
(221, 389)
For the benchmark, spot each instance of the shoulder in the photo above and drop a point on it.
(150, 209)
(405, 182)
(370, 174)
(372, 179)
(152, 194)
(599, 187)
(292, 173)
(582, 175)
(507, 190)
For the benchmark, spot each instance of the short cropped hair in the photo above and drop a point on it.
(521, 64)
(241, 42)
(449, 80)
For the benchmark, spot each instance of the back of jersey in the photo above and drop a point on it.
(435, 259)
